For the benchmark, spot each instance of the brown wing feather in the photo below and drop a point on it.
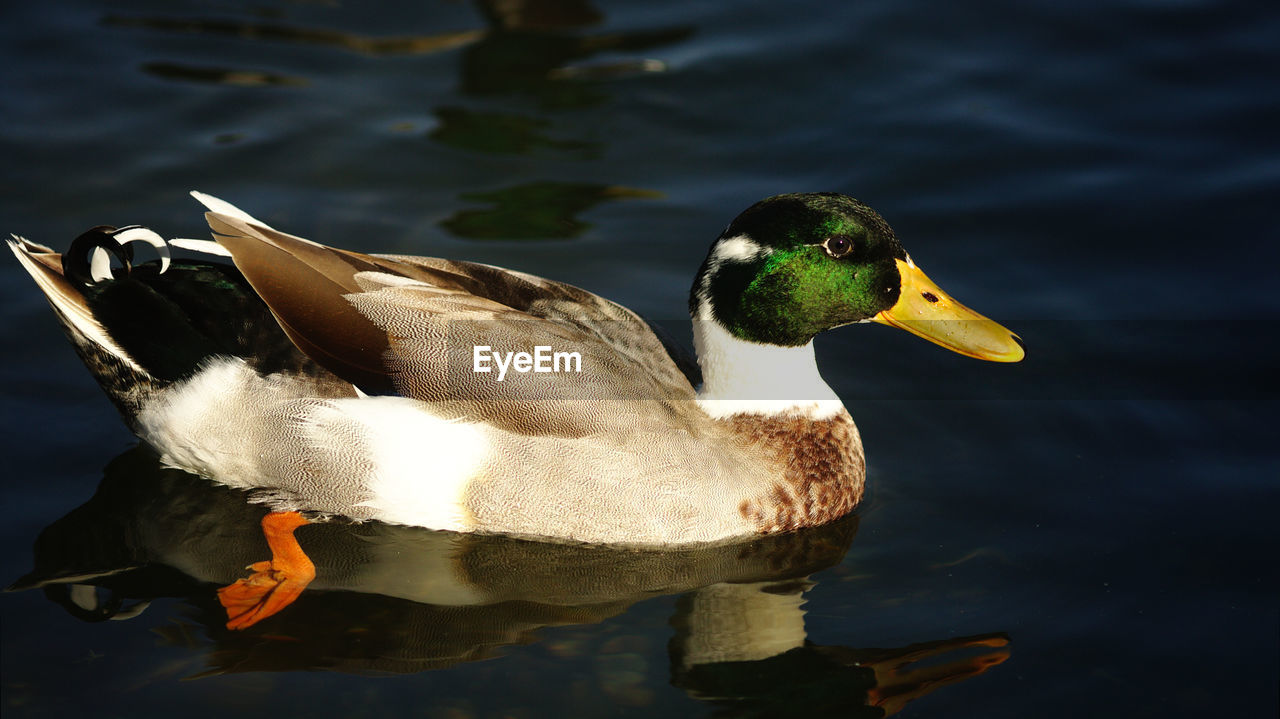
(417, 338)
(621, 329)
(304, 286)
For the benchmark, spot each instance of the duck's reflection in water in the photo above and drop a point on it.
(744, 647)
(390, 599)
(523, 46)
(544, 52)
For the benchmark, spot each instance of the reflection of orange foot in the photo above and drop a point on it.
(898, 683)
(275, 583)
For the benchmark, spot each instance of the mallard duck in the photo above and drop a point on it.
(471, 398)
(466, 397)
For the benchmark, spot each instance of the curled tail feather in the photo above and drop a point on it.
(125, 381)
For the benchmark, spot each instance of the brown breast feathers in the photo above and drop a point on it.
(824, 470)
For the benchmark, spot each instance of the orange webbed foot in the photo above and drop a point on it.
(275, 583)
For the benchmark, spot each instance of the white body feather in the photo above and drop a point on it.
(387, 458)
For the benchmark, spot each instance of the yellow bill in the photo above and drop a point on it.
(923, 309)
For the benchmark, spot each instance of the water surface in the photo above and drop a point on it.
(1087, 533)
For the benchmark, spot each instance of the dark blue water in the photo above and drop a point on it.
(1089, 533)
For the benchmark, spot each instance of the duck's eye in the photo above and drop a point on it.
(838, 246)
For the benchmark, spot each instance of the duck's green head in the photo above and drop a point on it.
(792, 266)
